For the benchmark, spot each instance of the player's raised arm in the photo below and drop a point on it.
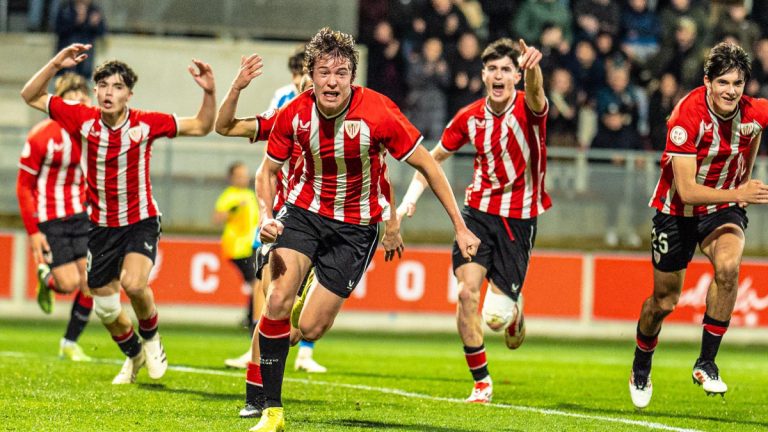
(418, 184)
(533, 78)
(35, 92)
(202, 123)
(429, 168)
(226, 122)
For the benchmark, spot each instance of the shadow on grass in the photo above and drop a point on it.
(399, 377)
(657, 415)
(157, 387)
(377, 425)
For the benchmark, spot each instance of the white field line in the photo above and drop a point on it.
(402, 393)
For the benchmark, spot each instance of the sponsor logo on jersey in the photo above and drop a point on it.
(304, 126)
(352, 127)
(678, 135)
(480, 123)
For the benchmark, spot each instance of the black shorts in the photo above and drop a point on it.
(505, 248)
(107, 246)
(340, 252)
(67, 237)
(674, 238)
(247, 267)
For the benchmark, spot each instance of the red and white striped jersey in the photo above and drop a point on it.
(115, 161)
(510, 157)
(344, 156)
(51, 157)
(264, 124)
(721, 147)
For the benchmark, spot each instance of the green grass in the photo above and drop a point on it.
(546, 385)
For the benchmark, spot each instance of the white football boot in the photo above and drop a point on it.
(707, 375)
(305, 362)
(131, 367)
(482, 392)
(157, 362)
(239, 362)
(640, 390)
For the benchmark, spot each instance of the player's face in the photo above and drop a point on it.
(79, 96)
(725, 91)
(500, 77)
(332, 78)
(112, 94)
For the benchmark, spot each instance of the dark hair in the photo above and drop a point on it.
(725, 57)
(233, 166)
(296, 62)
(333, 43)
(499, 49)
(70, 82)
(112, 67)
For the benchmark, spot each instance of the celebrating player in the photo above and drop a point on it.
(116, 146)
(51, 195)
(330, 216)
(508, 131)
(706, 170)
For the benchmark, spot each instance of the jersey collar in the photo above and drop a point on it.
(342, 112)
(505, 110)
(712, 111)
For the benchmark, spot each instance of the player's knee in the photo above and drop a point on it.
(68, 285)
(133, 284)
(666, 304)
(279, 304)
(468, 293)
(107, 308)
(314, 332)
(727, 274)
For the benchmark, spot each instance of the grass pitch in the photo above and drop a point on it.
(376, 382)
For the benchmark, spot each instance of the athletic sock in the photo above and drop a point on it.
(306, 344)
(254, 388)
(50, 282)
(477, 362)
(129, 343)
(274, 343)
(646, 345)
(78, 317)
(711, 336)
(148, 327)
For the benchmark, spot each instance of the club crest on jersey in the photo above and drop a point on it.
(678, 135)
(134, 133)
(750, 129)
(268, 114)
(352, 127)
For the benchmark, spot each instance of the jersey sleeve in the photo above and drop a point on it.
(762, 110)
(398, 135)
(280, 143)
(264, 124)
(33, 153)
(68, 113)
(162, 124)
(682, 131)
(25, 192)
(455, 134)
(536, 118)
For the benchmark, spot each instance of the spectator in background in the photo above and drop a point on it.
(428, 79)
(758, 85)
(734, 22)
(683, 57)
(663, 101)
(608, 51)
(562, 121)
(615, 130)
(535, 15)
(554, 48)
(35, 12)
(499, 13)
(640, 31)
(631, 99)
(587, 71)
(466, 71)
(593, 16)
(760, 16)
(387, 64)
(79, 21)
(439, 19)
(670, 17)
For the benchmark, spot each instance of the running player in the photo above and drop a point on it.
(331, 212)
(508, 131)
(116, 147)
(51, 195)
(706, 182)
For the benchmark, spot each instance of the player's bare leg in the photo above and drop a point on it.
(134, 276)
(254, 387)
(471, 277)
(724, 248)
(69, 278)
(666, 293)
(319, 313)
(304, 357)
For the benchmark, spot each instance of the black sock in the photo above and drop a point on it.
(78, 317)
(476, 360)
(646, 345)
(711, 336)
(274, 342)
(129, 343)
(254, 389)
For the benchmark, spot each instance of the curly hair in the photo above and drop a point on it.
(112, 67)
(331, 43)
(725, 57)
(70, 82)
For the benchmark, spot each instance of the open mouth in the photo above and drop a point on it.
(331, 94)
(497, 89)
(107, 104)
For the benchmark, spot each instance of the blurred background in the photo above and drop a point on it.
(613, 70)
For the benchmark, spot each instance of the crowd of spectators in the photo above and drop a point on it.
(614, 70)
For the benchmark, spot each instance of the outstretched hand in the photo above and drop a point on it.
(70, 56)
(529, 56)
(250, 68)
(202, 74)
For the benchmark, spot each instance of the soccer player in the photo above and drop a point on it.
(236, 208)
(255, 129)
(508, 131)
(51, 195)
(705, 184)
(331, 212)
(288, 92)
(116, 147)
